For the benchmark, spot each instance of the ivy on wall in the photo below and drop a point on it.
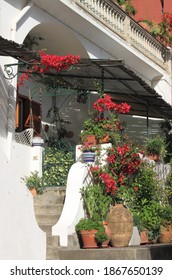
(56, 165)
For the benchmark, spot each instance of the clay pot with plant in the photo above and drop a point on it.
(156, 147)
(165, 213)
(103, 123)
(34, 183)
(150, 219)
(92, 232)
(96, 205)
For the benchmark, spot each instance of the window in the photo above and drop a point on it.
(28, 115)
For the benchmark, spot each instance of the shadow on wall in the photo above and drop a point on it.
(136, 127)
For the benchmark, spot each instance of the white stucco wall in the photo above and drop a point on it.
(20, 236)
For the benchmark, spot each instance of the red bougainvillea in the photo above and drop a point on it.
(48, 62)
(105, 103)
(123, 162)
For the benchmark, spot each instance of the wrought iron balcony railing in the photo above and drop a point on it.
(128, 29)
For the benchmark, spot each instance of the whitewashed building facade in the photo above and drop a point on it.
(93, 29)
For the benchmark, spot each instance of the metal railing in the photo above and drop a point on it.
(128, 29)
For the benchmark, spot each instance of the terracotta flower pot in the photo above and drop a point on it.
(90, 139)
(108, 232)
(33, 191)
(104, 139)
(144, 237)
(154, 157)
(145, 25)
(165, 235)
(88, 239)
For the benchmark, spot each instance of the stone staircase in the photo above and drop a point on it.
(48, 207)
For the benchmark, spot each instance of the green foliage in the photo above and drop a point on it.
(150, 219)
(34, 181)
(166, 129)
(165, 214)
(156, 145)
(155, 29)
(92, 127)
(147, 184)
(96, 201)
(169, 188)
(102, 127)
(130, 9)
(92, 224)
(56, 166)
(149, 215)
(121, 2)
(137, 222)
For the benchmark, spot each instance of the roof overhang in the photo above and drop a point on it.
(112, 75)
(121, 83)
(19, 52)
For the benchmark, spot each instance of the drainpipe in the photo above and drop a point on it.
(12, 90)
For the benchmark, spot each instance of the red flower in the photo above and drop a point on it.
(105, 103)
(111, 158)
(50, 61)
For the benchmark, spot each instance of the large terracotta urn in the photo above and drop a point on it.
(120, 222)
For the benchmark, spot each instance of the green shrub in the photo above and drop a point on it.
(56, 165)
(96, 201)
(147, 184)
(92, 224)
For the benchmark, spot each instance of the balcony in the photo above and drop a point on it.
(113, 17)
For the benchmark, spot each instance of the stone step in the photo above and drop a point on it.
(52, 242)
(144, 252)
(47, 219)
(73, 241)
(46, 228)
(51, 196)
(48, 209)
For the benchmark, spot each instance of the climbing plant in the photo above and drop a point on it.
(56, 165)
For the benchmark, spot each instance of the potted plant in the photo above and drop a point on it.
(34, 183)
(156, 147)
(96, 205)
(89, 152)
(104, 123)
(142, 230)
(146, 24)
(96, 201)
(150, 220)
(165, 213)
(92, 232)
(88, 133)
